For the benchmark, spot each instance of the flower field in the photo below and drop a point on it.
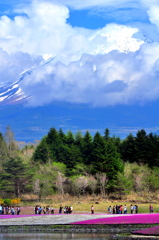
(125, 219)
(148, 231)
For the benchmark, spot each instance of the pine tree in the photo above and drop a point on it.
(41, 154)
(98, 153)
(127, 149)
(87, 148)
(16, 177)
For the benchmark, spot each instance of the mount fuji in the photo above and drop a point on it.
(32, 123)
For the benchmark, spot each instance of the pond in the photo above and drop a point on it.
(58, 236)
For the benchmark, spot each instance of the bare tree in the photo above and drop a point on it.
(10, 140)
(92, 182)
(102, 180)
(79, 184)
(60, 179)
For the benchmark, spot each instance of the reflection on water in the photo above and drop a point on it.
(58, 236)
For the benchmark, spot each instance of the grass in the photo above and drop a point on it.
(83, 204)
(85, 207)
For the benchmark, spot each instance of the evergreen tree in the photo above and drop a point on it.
(113, 165)
(53, 141)
(98, 153)
(79, 139)
(106, 159)
(62, 136)
(87, 148)
(141, 147)
(127, 149)
(70, 138)
(16, 177)
(152, 156)
(41, 154)
(107, 134)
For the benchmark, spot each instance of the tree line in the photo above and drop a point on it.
(79, 164)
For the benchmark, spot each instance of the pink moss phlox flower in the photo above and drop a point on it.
(125, 219)
(148, 231)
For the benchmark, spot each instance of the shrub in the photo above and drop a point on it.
(7, 201)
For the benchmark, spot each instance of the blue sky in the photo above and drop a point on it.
(105, 62)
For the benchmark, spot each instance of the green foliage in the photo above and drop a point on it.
(98, 156)
(15, 177)
(64, 162)
(46, 178)
(4, 153)
(142, 149)
(41, 154)
(87, 147)
(7, 202)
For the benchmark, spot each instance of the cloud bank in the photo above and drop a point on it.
(118, 64)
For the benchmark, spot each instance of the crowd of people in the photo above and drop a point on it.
(44, 210)
(116, 209)
(120, 209)
(9, 210)
(50, 210)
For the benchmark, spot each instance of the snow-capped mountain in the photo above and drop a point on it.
(11, 93)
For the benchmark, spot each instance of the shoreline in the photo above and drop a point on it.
(111, 228)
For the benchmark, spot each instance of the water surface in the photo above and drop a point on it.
(58, 236)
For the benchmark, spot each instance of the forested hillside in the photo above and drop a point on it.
(79, 164)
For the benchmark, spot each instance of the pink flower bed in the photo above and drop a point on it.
(125, 219)
(148, 231)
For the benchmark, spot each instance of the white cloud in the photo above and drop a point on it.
(78, 4)
(85, 68)
(120, 78)
(42, 31)
(154, 14)
(12, 65)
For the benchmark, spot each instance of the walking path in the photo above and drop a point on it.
(48, 219)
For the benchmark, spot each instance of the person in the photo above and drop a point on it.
(18, 210)
(109, 210)
(134, 209)
(64, 210)
(131, 208)
(121, 209)
(125, 209)
(12, 211)
(151, 209)
(47, 210)
(71, 209)
(40, 210)
(7, 210)
(92, 209)
(114, 210)
(44, 210)
(60, 209)
(52, 210)
(36, 209)
(0, 209)
(117, 209)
